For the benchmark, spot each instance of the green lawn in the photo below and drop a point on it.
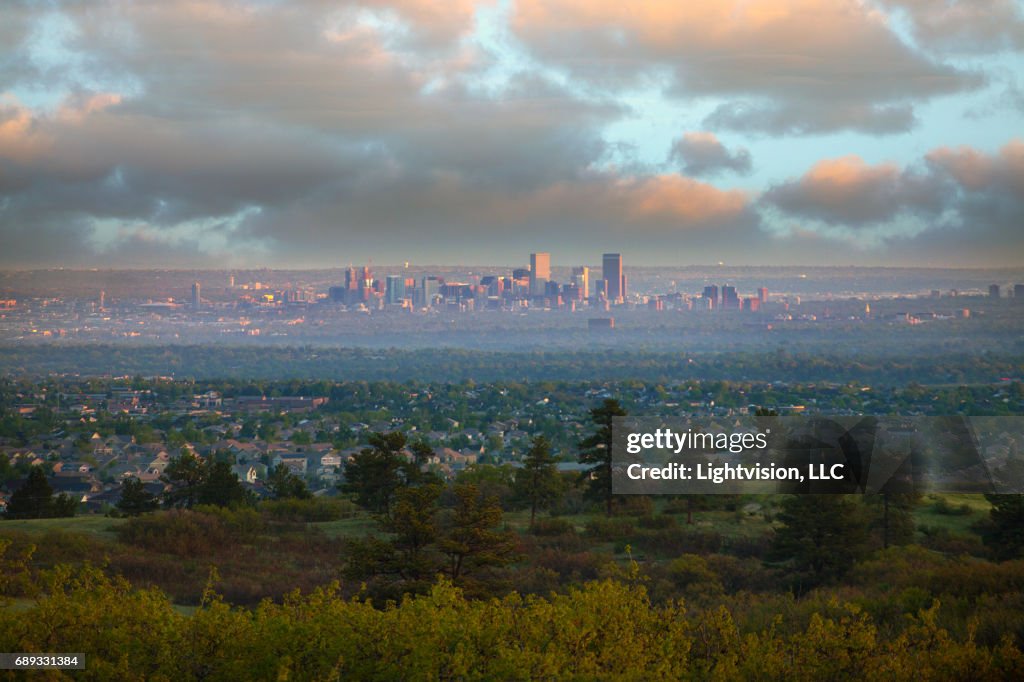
(359, 526)
(88, 525)
(929, 514)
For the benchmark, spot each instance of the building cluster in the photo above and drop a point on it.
(532, 286)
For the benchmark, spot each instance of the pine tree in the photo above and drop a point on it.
(221, 487)
(376, 473)
(135, 499)
(185, 474)
(283, 484)
(597, 451)
(1005, 533)
(537, 482)
(33, 500)
(821, 537)
(469, 537)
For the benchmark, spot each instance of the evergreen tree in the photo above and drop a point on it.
(185, 474)
(376, 473)
(821, 537)
(470, 539)
(894, 516)
(135, 499)
(597, 451)
(1005, 531)
(283, 484)
(34, 499)
(221, 487)
(537, 482)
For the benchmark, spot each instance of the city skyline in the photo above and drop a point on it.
(253, 133)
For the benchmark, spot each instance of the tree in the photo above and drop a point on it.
(894, 516)
(35, 500)
(537, 482)
(135, 499)
(376, 473)
(409, 561)
(821, 537)
(221, 487)
(185, 473)
(469, 537)
(1005, 531)
(597, 451)
(283, 484)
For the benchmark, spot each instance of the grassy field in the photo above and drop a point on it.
(355, 527)
(101, 526)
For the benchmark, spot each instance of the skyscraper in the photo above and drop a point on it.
(762, 295)
(993, 291)
(395, 292)
(540, 273)
(581, 278)
(197, 298)
(711, 294)
(730, 301)
(431, 289)
(611, 273)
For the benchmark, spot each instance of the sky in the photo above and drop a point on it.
(263, 133)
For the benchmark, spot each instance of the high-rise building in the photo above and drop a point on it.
(103, 299)
(581, 278)
(611, 273)
(1018, 291)
(365, 288)
(540, 273)
(197, 299)
(395, 291)
(730, 301)
(762, 295)
(993, 291)
(431, 290)
(711, 295)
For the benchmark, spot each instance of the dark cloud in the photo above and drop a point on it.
(957, 206)
(700, 153)
(808, 118)
(970, 26)
(849, 192)
(820, 65)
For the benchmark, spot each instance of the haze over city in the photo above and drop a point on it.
(308, 135)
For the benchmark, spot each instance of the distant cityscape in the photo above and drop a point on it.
(356, 305)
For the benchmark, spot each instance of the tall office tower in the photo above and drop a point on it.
(431, 289)
(762, 295)
(540, 273)
(365, 284)
(993, 291)
(197, 298)
(1018, 291)
(611, 273)
(231, 281)
(581, 278)
(395, 292)
(103, 299)
(711, 295)
(730, 301)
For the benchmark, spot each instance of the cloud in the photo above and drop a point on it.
(960, 204)
(700, 153)
(800, 119)
(819, 65)
(316, 133)
(847, 191)
(965, 26)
